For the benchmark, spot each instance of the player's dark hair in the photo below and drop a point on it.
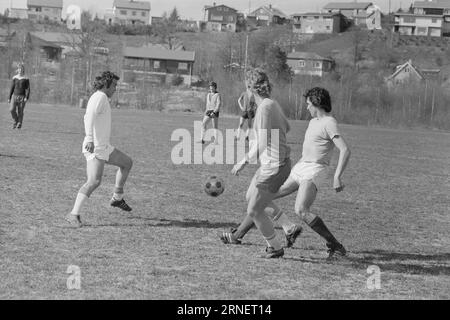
(213, 84)
(258, 81)
(319, 97)
(104, 80)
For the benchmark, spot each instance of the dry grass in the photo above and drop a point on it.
(393, 214)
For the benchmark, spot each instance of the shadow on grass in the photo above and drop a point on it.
(13, 156)
(407, 263)
(185, 223)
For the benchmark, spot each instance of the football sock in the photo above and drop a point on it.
(319, 226)
(273, 242)
(244, 227)
(81, 198)
(117, 196)
(285, 223)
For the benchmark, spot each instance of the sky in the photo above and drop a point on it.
(193, 9)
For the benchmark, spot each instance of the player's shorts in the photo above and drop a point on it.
(273, 182)
(250, 114)
(212, 114)
(315, 172)
(101, 152)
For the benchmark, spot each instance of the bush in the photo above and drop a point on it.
(177, 80)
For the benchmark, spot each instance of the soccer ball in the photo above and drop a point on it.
(214, 186)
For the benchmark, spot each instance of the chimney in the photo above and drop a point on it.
(214, 4)
(270, 6)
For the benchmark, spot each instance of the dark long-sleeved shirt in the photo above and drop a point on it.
(20, 87)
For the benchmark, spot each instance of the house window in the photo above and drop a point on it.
(225, 9)
(182, 66)
(219, 9)
(327, 27)
(133, 13)
(406, 69)
(218, 18)
(316, 17)
(433, 20)
(421, 30)
(409, 19)
(156, 64)
(301, 63)
(230, 18)
(123, 12)
(143, 13)
(317, 64)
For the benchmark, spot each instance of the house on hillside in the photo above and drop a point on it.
(317, 23)
(53, 46)
(309, 63)
(45, 10)
(17, 13)
(269, 15)
(157, 65)
(128, 12)
(220, 18)
(350, 10)
(429, 18)
(408, 72)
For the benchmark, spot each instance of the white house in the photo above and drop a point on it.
(128, 12)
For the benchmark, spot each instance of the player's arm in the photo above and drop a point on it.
(218, 103)
(27, 90)
(344, 156)
(11, 91)
(240, 102)
(89, 119)
(262, 129)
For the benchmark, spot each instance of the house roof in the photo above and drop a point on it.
(320, 14)
(212, 7)
(403, 66)
(158, 53)
(139, 5)
(347, 5)
(57, 37)
(271, 10)
(306, 56)
(440, 4)
(46, 3)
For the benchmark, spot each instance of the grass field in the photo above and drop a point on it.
(394, 214)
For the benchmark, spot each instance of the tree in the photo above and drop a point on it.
(173, 17)
(276, 64)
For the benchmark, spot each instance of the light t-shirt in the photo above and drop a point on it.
(270, 123)
(97, 120)
(213, 101)
(318, 144)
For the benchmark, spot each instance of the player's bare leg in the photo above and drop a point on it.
(241, 125)
(94, 171)
(205, 121)
(215, 123)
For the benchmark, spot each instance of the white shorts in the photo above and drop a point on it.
(100, 152)
(315, 172)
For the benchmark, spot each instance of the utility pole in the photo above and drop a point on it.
(246, 53)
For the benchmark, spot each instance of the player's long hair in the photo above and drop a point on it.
(319, 97)
(104, 80)
(258, 81)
